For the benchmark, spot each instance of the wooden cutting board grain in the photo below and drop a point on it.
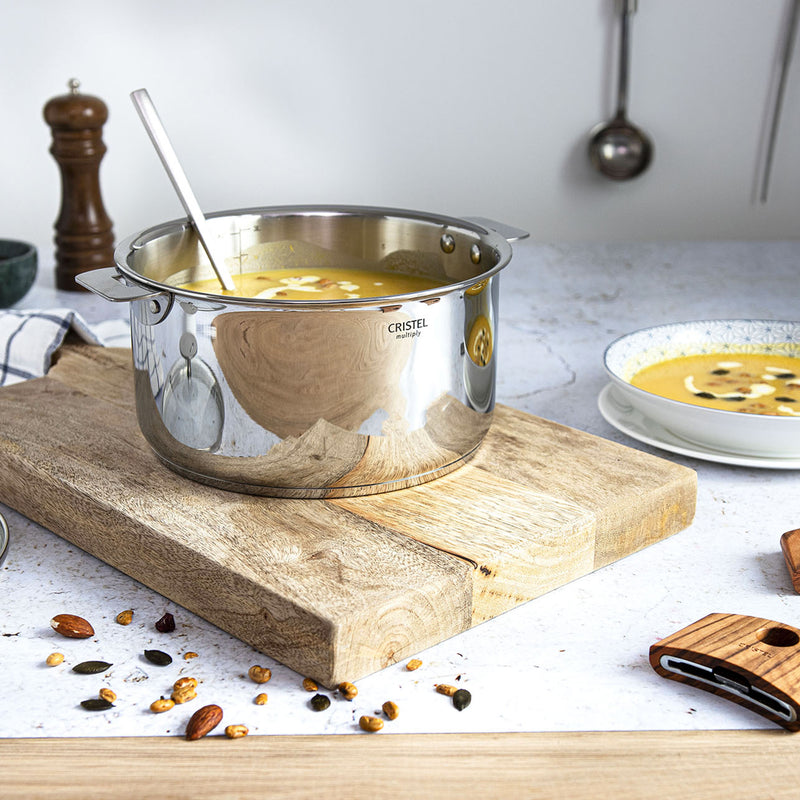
(335, 589)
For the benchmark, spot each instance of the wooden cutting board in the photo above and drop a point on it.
(335, 589)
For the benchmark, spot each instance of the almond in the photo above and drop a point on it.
(71, 626)
(203, 721)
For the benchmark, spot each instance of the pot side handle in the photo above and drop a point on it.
(508, 232)
(109, 284)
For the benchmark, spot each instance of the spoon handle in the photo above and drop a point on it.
(627, 9)
(169, 158)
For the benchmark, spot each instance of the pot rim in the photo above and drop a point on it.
(487, 236)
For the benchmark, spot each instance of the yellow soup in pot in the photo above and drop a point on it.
(749, 382)
(318, 283)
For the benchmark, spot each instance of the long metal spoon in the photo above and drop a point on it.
(158, 135)
(618, 149)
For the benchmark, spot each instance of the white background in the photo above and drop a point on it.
(452, 106)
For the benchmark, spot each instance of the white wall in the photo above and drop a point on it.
(453, 106)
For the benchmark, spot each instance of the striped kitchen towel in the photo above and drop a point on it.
(28, 339)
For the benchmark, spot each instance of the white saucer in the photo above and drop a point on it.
(624, 417)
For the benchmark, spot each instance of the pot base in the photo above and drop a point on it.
(322, 493)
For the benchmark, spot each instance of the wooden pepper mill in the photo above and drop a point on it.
(84, 237)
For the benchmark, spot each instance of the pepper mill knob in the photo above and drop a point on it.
(84, 237)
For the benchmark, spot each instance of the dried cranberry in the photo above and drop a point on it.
(166, 624)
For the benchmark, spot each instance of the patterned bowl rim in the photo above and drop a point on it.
(617, 358)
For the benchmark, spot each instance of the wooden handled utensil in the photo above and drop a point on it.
(751, 661)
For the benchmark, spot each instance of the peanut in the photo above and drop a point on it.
(54, 659)
(261, 699)
(107, 694)
(415, 663)
(370, 724)
(184, 695)
(390, 709)
(236, 731)
(309, 685)
(444, 688)
(259, 674)
(347, 690)
(161, 705)
(125, 617)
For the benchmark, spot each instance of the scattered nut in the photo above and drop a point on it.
(444, 688)
(390, 709)
(319, 702)
(71, 626)
(461, 699)
(125, 617)
(54, 659)
(415, 663)
(347, 690)
(370, 724)
(166, 624)
(185, 683)
(184, 695)
(91, 667)
(96, 704)
(161, 705)
(261, 699)
(309, 685)
(107, 694)
(236, 731)
(158, 657)
(189, 654)
(259, 674)
(203, 721)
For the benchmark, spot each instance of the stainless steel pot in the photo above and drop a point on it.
(313, 398)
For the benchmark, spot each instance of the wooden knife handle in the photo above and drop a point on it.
(790, 544)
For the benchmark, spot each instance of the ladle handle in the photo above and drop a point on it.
(627, 10)
(169, 158)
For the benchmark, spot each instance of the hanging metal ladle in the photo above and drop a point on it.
(619, 149)
(169, 158)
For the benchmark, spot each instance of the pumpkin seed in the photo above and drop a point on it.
(319, 702)
(158, 657)
(91, 667)
(96, 704)
(461, 699)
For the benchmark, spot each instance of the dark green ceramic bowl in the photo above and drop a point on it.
(17, 270)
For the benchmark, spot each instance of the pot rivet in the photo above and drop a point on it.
(475, 254)
(154, 306)
(448, 243)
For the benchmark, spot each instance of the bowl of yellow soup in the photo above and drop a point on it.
(356, 354)
(730, 384)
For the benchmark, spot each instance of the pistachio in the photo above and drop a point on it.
(125, 617)
(91, 667)
(54, 659)
(161, 705)
(261, 699)
(347, 690)
(319, 702)
(96, 704)
(107, 694)
(390, 709)
(158, 657)
(461, 699)
(236, 731)
(259, 674)
(370, 724)
(309, 685)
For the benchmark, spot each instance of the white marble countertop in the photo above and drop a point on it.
(574, 659)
